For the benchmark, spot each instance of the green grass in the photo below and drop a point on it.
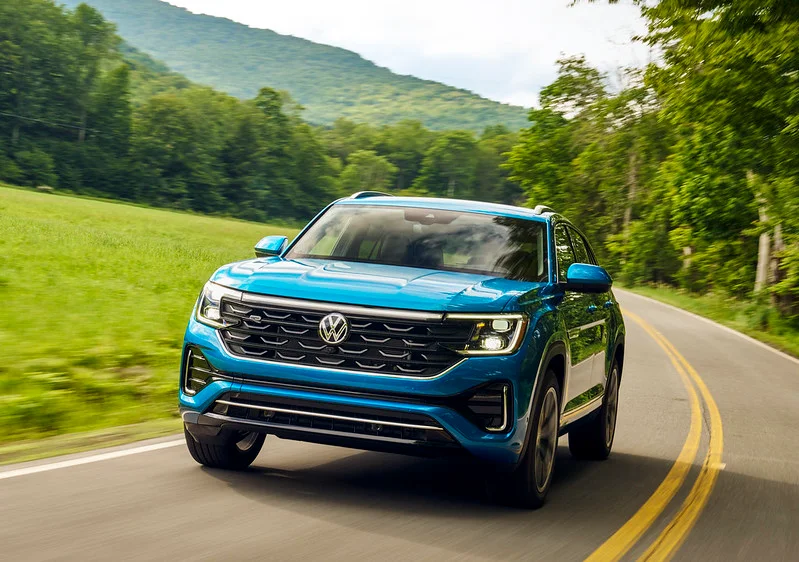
(753, 319)
(95, 297)
(34, 449)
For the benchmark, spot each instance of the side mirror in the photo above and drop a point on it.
(270, 246)
(587, 278)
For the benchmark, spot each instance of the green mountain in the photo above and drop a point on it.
(329, 82)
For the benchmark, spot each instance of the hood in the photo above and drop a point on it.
(370, 284)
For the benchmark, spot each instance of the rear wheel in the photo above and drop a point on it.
(593, 440)
(234, 450)
(530, 481)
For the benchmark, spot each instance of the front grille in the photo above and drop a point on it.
(358, 421)
(377, 345)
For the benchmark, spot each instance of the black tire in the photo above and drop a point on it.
(593, 439)
(529, 483)
(235, 451)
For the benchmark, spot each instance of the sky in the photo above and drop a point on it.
(505, 50)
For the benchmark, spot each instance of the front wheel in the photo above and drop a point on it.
(529, 483)
(236, 450)
(593, 440)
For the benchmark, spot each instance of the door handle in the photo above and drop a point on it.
(592, 308)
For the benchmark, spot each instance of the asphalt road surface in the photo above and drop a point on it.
(705, 467)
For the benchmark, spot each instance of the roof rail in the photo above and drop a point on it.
(365, 194)
(541, 209)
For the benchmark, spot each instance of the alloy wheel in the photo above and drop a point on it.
(247, 441)
(546, 441)
(611, 407)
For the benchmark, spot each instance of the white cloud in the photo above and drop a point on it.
(502, 49)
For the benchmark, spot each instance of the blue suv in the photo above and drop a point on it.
(413, 325)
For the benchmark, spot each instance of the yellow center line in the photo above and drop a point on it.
(622, 540)
(673, 536)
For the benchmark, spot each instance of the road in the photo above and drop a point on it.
(303, 501)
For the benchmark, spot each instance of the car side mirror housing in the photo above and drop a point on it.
(587, 278)
(270, 246)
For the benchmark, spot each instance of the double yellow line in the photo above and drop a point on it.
(676, 531)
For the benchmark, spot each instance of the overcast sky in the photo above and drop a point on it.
(501, 49)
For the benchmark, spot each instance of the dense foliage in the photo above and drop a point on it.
(329, 82)
(80, 110)
(690, 174)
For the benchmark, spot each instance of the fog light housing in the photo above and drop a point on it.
(198, 372)
(490, 406)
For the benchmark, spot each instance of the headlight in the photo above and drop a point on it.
(209, 309)
(498, 334)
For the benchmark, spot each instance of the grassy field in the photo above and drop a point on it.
(95, 297)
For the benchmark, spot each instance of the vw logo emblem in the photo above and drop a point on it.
(334, 329)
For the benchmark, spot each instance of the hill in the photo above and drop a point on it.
(328, 81)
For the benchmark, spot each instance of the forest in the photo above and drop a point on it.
(687, 175)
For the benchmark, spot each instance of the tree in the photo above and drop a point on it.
(449, 166)
(96, 42)
(367, 171)
(729, 81)
(404, 145)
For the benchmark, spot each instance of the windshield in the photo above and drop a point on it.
(428, 238)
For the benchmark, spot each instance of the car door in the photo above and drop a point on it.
(575, 310)
(595, 331)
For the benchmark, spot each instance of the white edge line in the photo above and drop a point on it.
(90, 459)
(716, 324)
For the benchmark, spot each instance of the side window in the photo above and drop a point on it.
(581, 252)
(563, 249)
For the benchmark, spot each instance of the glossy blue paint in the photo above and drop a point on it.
(371, 284)
(588, 277)
(271, 246)
(397, 287)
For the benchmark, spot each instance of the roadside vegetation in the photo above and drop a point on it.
(96, 296)
(755, 319)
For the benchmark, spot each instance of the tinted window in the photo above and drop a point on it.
(581, 253)
(429, 238)
(563, 249)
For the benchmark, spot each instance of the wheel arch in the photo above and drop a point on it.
(556, 355)
(618, 354)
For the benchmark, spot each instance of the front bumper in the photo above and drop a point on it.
(344, 408)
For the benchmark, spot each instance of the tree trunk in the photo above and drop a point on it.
(763, 256)
(451, 188)
(15, 134)
(686, 259)
(764, 243)
(781, 302)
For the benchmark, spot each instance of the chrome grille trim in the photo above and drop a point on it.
(320, 368)
(319, 306)
(328, 416)
(381, 346)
